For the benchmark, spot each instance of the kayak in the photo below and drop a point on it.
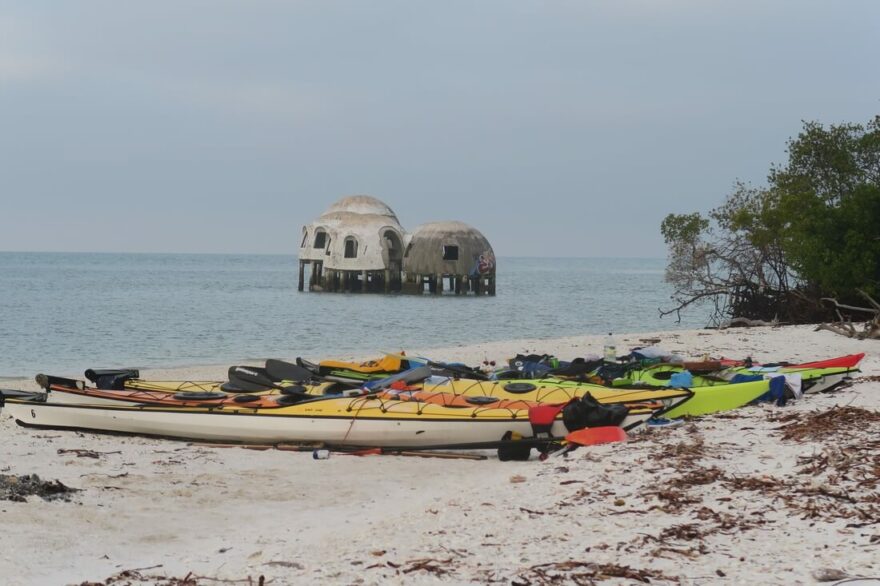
(711, 397)
(382, 367)
(815, 376)
(695, 401)
(437, 389)
(703, 400)
(209, 396)
(343, 421)
(850, 361)
(678, 402)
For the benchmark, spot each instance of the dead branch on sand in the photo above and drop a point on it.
(845, 327)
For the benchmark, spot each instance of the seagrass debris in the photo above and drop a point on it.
(138, 577)
(18, 488)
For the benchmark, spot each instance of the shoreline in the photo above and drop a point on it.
(729, 498)
(430, 352)
(565, 348)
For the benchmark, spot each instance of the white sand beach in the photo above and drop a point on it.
(762, 495)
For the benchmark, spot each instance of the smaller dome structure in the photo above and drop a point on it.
(449, 248)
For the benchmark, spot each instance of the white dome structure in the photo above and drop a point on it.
(363, 219)
(357, 236)
(358, 245)
(361, 204)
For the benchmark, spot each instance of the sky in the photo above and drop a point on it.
(567, 128)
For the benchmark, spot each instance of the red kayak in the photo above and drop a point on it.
(848, 361)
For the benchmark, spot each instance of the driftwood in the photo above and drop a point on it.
(869, 330)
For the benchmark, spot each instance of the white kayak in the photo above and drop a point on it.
(361, 421)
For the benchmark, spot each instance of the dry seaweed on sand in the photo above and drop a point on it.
(819, 425)
(697, 477)
(18, 488)
(584, 573)
(137, 578)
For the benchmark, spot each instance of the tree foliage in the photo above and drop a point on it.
(774, 252)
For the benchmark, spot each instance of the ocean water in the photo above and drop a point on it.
(65, 312)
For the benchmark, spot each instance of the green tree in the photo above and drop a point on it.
(830, 190)
(774, 252)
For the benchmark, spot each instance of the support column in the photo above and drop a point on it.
(302, 265)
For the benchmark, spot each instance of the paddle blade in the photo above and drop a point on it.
(250, 378)
(591, 436)
(279, 370)
(412, 375)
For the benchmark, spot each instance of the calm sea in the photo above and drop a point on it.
(64, 312)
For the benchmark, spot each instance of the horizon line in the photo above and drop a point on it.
(291, 255)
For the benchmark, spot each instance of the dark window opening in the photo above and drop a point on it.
(351, 248)
(327, 253)
(320, 239)
(450, 252)
(305, 237)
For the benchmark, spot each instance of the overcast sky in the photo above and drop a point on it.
(563, 128)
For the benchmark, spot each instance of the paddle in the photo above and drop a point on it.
(18, 394)
(254, 376)
(255, 379)
(592, 436)
(413, 375)
(463, 371)
(280, 370)
(46, 380)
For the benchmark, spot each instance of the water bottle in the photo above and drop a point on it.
(610, 353)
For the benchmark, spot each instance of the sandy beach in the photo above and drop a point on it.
(763, 495)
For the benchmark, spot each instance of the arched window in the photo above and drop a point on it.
(320, 239)
(351, 247)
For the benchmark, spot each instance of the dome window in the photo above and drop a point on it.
(320, 239)
(351, 247)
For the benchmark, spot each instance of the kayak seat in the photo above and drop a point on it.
(481, 400)
(245, 398)
(199, 396)
(519, 387)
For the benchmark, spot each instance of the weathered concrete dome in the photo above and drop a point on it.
(361, 204)
(357, 233)
(448, 248)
